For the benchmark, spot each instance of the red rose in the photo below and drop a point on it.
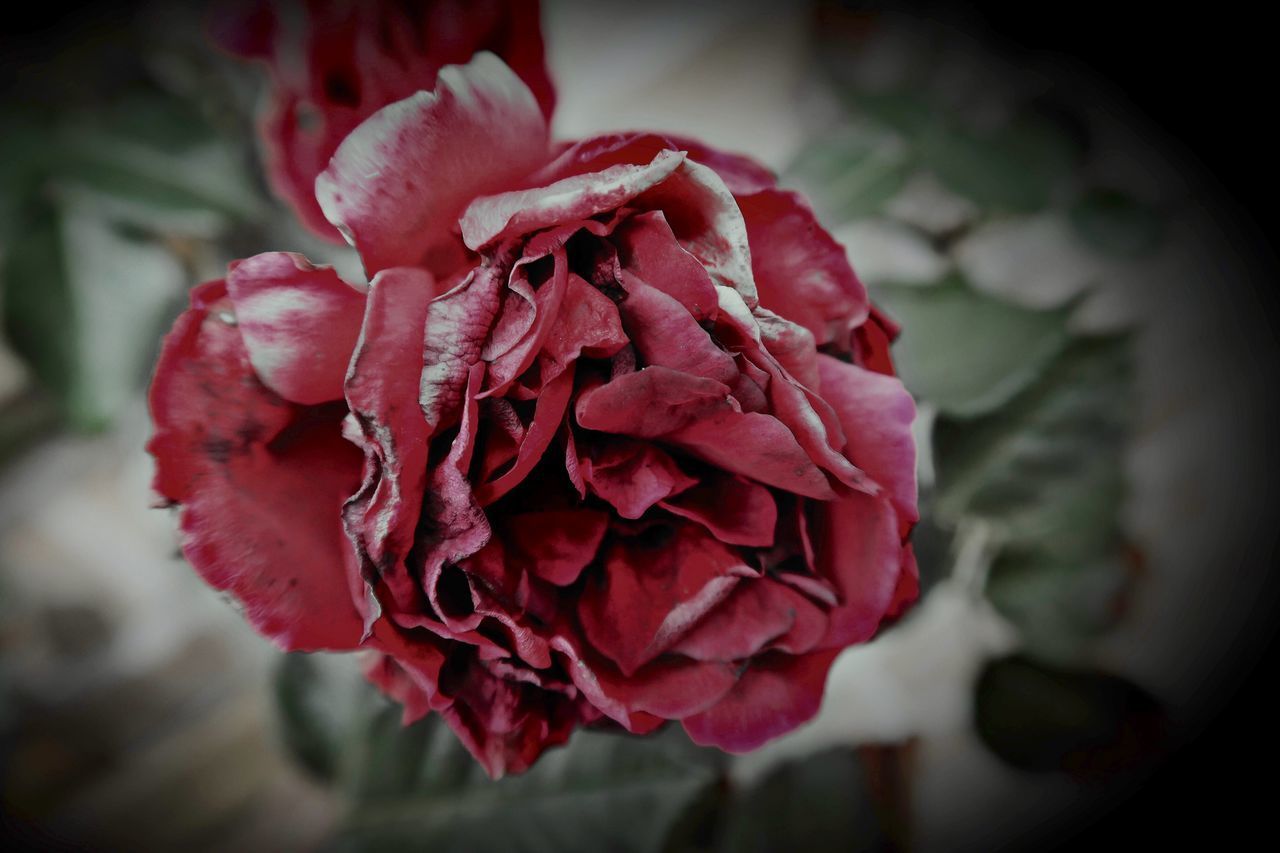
(334, 63)
(608, 437)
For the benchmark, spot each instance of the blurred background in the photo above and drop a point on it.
(1089, 332)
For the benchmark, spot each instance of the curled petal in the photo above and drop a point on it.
(299, 323)
(776, 694)
(651, 593)
(396, 185)
(260, 481)
(877, 413)
(801, 272)
(494, 218)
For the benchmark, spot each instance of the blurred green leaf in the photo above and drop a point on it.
(1059, 606)
(1116, 224)
(601, 792)
(82, 302)
(1046, 469)
(965, 352)
(1089, 724)
(819, 803)
(852, 175)
(1016, 168)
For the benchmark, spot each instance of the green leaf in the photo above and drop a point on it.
(851, 176)
(1046, 469)
(1116, 224)
(1016, 168)
(822, 802)
(318, 700)
(1059, 606)
(417, 788)
(1090, 724)
(965, 352)
(83, 303)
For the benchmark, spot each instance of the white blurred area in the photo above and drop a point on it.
(103, 613)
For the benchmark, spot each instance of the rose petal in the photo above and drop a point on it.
(800, 271)
(772, 697)
(633, 476)
(381, 389)
(333, 64)
(558, 544)
(496, 217)
(877, 413)
(547, 416)
(759, 612)
(650, 403)
(648, 249)
(740, 173)
(261, 482)
(649, 594)
(587, 324)
(706, 220)
(299, 323)
(737, 511)
(858, 547)
(397, 184)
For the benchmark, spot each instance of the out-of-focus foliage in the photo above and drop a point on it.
(116, 190)
(417, 788)
(980, 179)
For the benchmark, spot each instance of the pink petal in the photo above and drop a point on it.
(261, 482)
(397, 184)
(587, 324)
(759, 613)
(299, 322)
(633, 476)
(774, 695)
(649, 250)
(665, 334)
(737, 511)
(334, 64)
(547, 416)
(877, 413)
(493, 218)
(802, 273)
(740, 173)
(649, 595)
(558, 544)
(382, 391)
(650, 403)
(858, 547)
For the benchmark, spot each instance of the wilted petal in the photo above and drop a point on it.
(858, 548)
(759, 613)
(493, 218)
(706, 220)
(665, 334)
(299, 323)
(737, 511)
(877, 413)
(802, 273)
(652, 591)
(397, 184)
(776, 694)
(633, 476)
(649, 250)
(261, 482)
(558, 544)
(650, 403)
(381, 389)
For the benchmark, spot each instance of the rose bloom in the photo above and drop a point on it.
(610, 438)
(333, 63)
